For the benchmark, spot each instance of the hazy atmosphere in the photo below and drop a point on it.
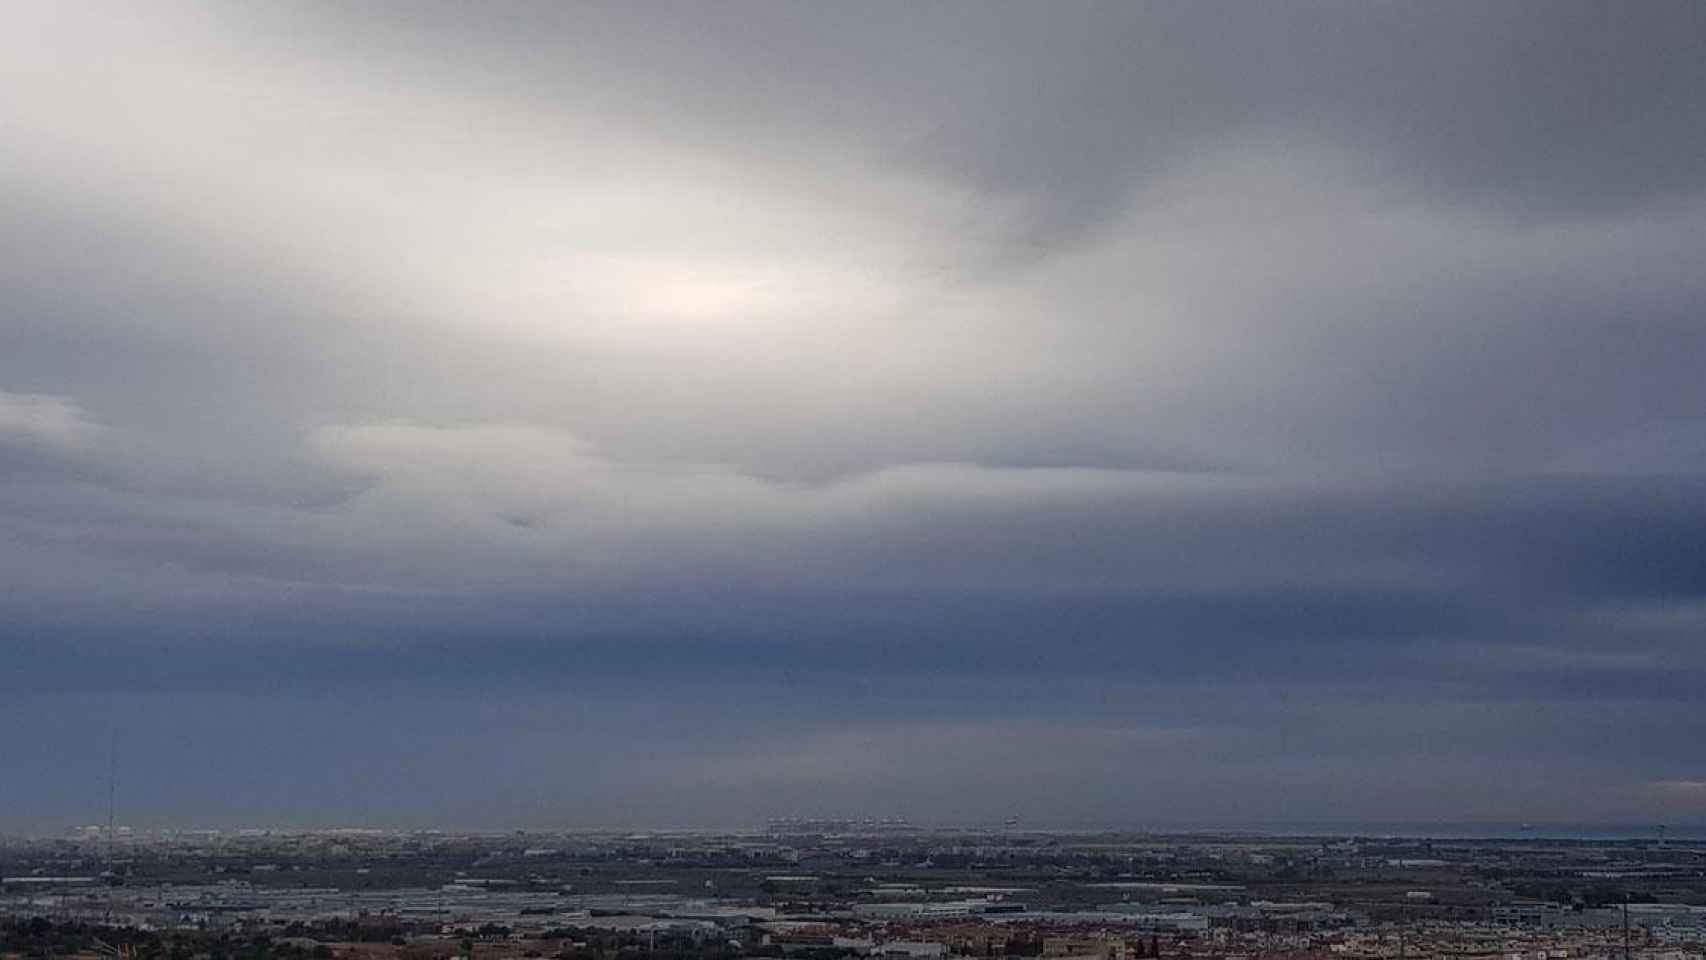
(546, 414)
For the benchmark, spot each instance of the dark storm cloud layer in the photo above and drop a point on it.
(1335, 586)
(1261, 411)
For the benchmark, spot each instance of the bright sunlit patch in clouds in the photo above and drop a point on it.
(636, 294)
(611, 258)
(707, 293)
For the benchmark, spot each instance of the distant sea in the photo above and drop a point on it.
(1466, 830)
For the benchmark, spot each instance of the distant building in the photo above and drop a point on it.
(910, 950)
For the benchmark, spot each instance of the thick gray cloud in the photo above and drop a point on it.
(822, 407)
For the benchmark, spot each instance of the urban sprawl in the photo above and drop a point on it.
(827, 890)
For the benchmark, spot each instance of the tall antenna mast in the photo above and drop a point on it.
(1625, 925)
(112, 792)
(112, 795)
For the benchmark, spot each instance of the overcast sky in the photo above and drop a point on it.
(538, 414)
